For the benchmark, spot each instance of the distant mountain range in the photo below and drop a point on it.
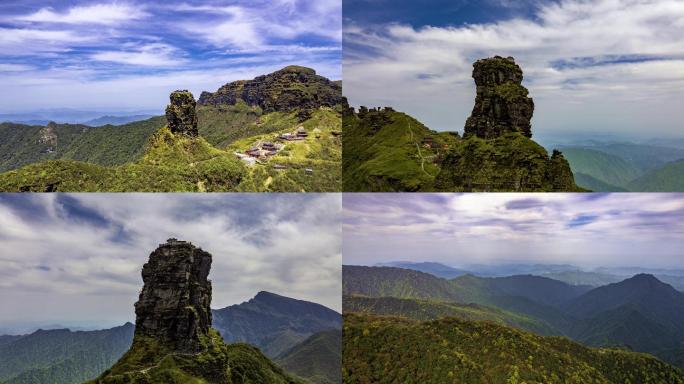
(640, 313)
(74, 116)
(60, 356)
(274, 323)
(302, 337)
(566, 273)
(619, 167)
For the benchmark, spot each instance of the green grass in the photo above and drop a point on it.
(149, 362)
(177, 163)
(383, 152)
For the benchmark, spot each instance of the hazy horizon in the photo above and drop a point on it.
(77, 258)
(592, 67)
(585, 230)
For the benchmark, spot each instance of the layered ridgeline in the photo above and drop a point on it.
(279, 132)
(301, 337)
(638, 314)
(627, 167)
(174, 341)
(60, 356)
(385, 150)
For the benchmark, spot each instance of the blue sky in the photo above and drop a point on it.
(76, 259)
(593, 67)
(586, 230)
(129, 55)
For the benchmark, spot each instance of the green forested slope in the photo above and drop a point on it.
(449, 350)
(385, 150)
(666, 178)
(147, 362)
(62, 356)
(317, 359)
(605, 167)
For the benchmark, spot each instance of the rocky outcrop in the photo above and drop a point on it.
(501, 103)
(180, 113)
(173, 306)
(290, 89)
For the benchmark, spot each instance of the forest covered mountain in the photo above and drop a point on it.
(620, 167)
(447, 350)
(274, 323)
(385, 150)
(60, 356)
(280, 133)
(640, 313)
(301, 337)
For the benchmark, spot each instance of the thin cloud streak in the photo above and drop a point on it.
(460, 229)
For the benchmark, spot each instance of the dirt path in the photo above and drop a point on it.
(420, 153)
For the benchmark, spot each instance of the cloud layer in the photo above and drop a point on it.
(612, 66)
(586, 230)
(129, 55)
(77, 258)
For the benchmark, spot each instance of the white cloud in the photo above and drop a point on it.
(156, 55)
(459, 229)
(107, 14)
(611, 96)
(287, 244)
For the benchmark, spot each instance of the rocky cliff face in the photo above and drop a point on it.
(173, 306)
(174, 341)
(501, 104)
(290, 89)
(180, 113)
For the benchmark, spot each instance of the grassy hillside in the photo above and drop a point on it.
(171, 163)
(382, 152)
(147, 362)
(317, 359)
(385, 150)
(666, 178)
(225, 124)
(605, 167)
(449, 350)
(177, 163)
(61, 356)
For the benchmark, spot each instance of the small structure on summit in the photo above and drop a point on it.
(173, 306)
(181, 115)
(501, 103)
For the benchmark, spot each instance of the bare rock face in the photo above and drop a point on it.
(501, 103)
(48, 136)
(173, 306)
(180, 113)
(292, 88)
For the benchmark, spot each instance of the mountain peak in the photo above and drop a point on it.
(293, 88)
(180, 113)
(174, 303)
(501, 102)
